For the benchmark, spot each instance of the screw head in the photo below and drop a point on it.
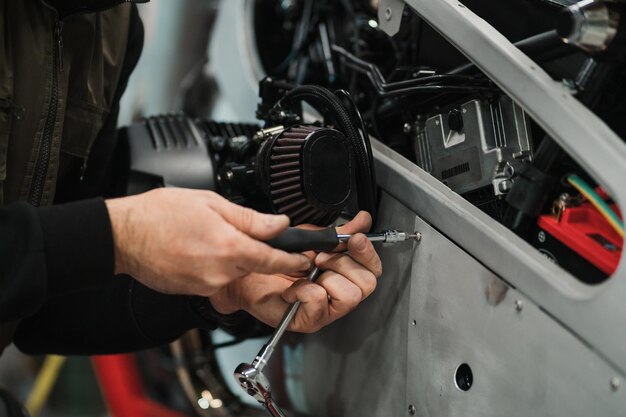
(414, 323)
(615, 383)
(505, 186)
(412, 409)
(569, 85)
(388, 13)
(519, 305)
(406, 128)
(541, 236)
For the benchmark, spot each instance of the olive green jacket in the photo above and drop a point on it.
(58, 77)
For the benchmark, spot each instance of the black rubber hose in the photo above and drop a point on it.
(327, 103)
(543, 47)
(358, 119)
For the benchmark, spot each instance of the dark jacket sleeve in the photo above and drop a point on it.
(73, 303)
(22, 262)
(123, 316)
(51, 251)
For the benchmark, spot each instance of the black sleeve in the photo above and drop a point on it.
(22, 262)
(123, 316)
(88, 310)
(51, 251)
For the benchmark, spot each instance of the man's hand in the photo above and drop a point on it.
(348, 279)
(194, 242)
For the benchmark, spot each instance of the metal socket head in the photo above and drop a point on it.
(253, 382)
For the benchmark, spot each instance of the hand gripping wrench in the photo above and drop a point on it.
(250, 376)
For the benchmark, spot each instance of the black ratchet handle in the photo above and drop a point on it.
(300, 240)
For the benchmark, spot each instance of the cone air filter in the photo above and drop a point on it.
(307, 173)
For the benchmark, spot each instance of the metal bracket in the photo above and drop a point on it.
(390, 16)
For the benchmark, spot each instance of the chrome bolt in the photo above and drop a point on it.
(519, 305)
(407, 128)
(505, 186)
(615, 383)
(569, 85)
(412, 409)
(388, 13)
(418, 236)
(541, 236)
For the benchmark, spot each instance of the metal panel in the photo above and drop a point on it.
(524, 363)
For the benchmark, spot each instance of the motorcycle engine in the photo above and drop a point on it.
(311, 172)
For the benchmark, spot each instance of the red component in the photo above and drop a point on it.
(585, 231)
(123, 390)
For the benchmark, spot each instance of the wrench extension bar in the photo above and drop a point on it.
(300, 240)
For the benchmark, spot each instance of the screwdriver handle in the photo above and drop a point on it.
(299, 240)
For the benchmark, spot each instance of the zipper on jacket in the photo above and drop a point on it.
(45, 148)
(57, 33)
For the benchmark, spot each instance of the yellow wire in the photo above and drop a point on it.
(44, 382)
(604, 213)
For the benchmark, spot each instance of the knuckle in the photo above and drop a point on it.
(369, 285)
(353, 296)
(318, 293)
(246, 217)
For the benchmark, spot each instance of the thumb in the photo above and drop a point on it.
(260, 226)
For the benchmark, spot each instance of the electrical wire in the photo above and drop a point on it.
(300, 36)
(597, 201)
(428, 84)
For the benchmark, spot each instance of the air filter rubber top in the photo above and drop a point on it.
(307, 172)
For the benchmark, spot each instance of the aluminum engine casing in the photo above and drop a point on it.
(486, 151)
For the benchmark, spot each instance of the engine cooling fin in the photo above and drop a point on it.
(308, 173)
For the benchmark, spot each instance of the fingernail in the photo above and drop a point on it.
(272, 220)
(323, 257)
